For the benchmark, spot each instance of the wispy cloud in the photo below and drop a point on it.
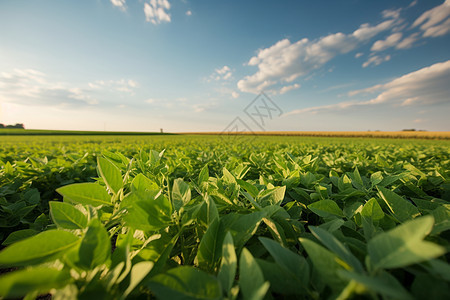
(157, 11)
(223, 73)
(435, 22)
(288, 88)
(376, 60)
(285, 61)
(122, 85)
(390, 41)
(189, 13)
(427, 86)
(120, 4)
(32, 87)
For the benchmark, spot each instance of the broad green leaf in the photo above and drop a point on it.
(38, 248)
(404, 245)
(138, 273)
(334, 245)
(288, 260)
(281, 281)
(272, 196)
(181, 193)
(251, 279)
(185, 283)
(376, 178)
(400, 208)
(326, 264)
(228, 265)
(19, 235)
(144, 187)
(85, 193)
(442, 219)
(110, 174)
(372, 210)
(210, 248)
(326, 208)
(66, 216)
(40, 280)
(204, 175)
(95, 248)
(148, 215)
(242, 227)
(384, 284)
(250, 188)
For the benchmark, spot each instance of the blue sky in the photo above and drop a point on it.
(195, 65)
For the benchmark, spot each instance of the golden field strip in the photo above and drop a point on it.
(441, 135)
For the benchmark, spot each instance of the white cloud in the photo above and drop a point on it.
(235, 94)
(390, 41)
(31, 87)
(412, 3)
(122, 85)
(285, 61)
(435, 22)
(156, 11)
(189, 13)
(366, 32)
(223, 73)
(427, 86)
(203, 106)
(288, 88)
(120, 4)
(376, 60)
(391, 13)
(359, 54)
(408, 41)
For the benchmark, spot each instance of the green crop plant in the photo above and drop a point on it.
(210, 220)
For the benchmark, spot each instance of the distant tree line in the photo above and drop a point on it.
(17, 126)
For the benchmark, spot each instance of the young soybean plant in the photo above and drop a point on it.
(75, 260)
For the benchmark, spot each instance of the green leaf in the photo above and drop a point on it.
(19, 235)
(326, 264)
(85, 193)
(326, 208)
(250, 188)
(242, 227)
(404, 245)
(376, 178)
(442, 219)
(204, 175)
(334, 245)
(384, 284)
(372, 210)
(400, 208)
(95, 248)
(148, 215)
(110, 174)
(210, 248)
(138, 273)
(228, 265)
(181, 193)
(185, 283)
(289, 261)
(41, 280)
(66, 216)
(251, 279)
(142, 183)
(38, 248)
(281, 281)
(272, 196)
